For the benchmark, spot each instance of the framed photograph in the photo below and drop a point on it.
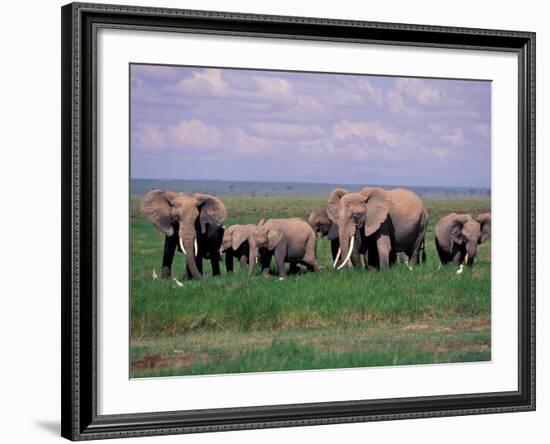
(280, 221)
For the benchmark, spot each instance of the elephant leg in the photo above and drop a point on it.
(229, 261)
(414, 252)
(393, 257)
(458, 257)
(383, 245)
(309, 259)
(293, 269)
(170, 245)
(243, 262)
(215, 261)
(443, 255)
(265, 260)
(371, 255)
(311, 264)
(280, 261)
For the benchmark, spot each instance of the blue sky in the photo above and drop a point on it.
(232, 124)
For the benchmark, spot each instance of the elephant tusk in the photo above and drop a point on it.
(351, 243)
(337, 257)
(182, 247)
(196, 247)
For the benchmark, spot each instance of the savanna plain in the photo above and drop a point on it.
(331, 319)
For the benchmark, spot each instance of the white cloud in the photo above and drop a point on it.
(207, 82)
(419, 90)
(195, 133)
(246, 144)
(374, 95)
(290, 131)
(350, 131)
(273, 88)
(148, 137)
(396, 104)
(210, 83)
(455, 137)
(441, 153)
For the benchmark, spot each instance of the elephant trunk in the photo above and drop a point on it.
(189, 240)
(471, 250)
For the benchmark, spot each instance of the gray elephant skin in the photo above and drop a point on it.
(324, 227)
(192, 223)
(378, 223)
(287, 240)
(236, 245)
(457, 237)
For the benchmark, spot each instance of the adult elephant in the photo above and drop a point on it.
(288, 240)
(192, 222)
(236, 244)
(379, 223)
(457, 237)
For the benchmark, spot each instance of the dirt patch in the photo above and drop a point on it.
(413, 327)
(480, 324)
(480, 346)
(159, 361)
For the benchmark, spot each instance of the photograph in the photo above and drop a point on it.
(292, 221)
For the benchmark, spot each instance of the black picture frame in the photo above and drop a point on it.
(79, 208)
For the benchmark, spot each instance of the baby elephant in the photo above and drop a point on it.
(458, 235)
(235, 244)
(289, 240)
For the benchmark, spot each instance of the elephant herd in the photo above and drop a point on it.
(366, 229)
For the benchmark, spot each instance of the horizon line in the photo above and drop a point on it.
(313, 183)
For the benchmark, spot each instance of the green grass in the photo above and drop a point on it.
(230, 323)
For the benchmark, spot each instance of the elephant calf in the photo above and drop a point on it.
(236, 244)
(458, 235)
(288, 240)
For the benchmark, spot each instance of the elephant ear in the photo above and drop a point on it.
(333, 203)
(378, 204)
(333, 232)
(274, 236)
(239, 236)
(485, 223)
(156, 206)
(212, 211)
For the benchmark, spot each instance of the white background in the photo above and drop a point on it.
(30, 232)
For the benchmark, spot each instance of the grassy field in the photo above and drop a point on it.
(332, 319)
